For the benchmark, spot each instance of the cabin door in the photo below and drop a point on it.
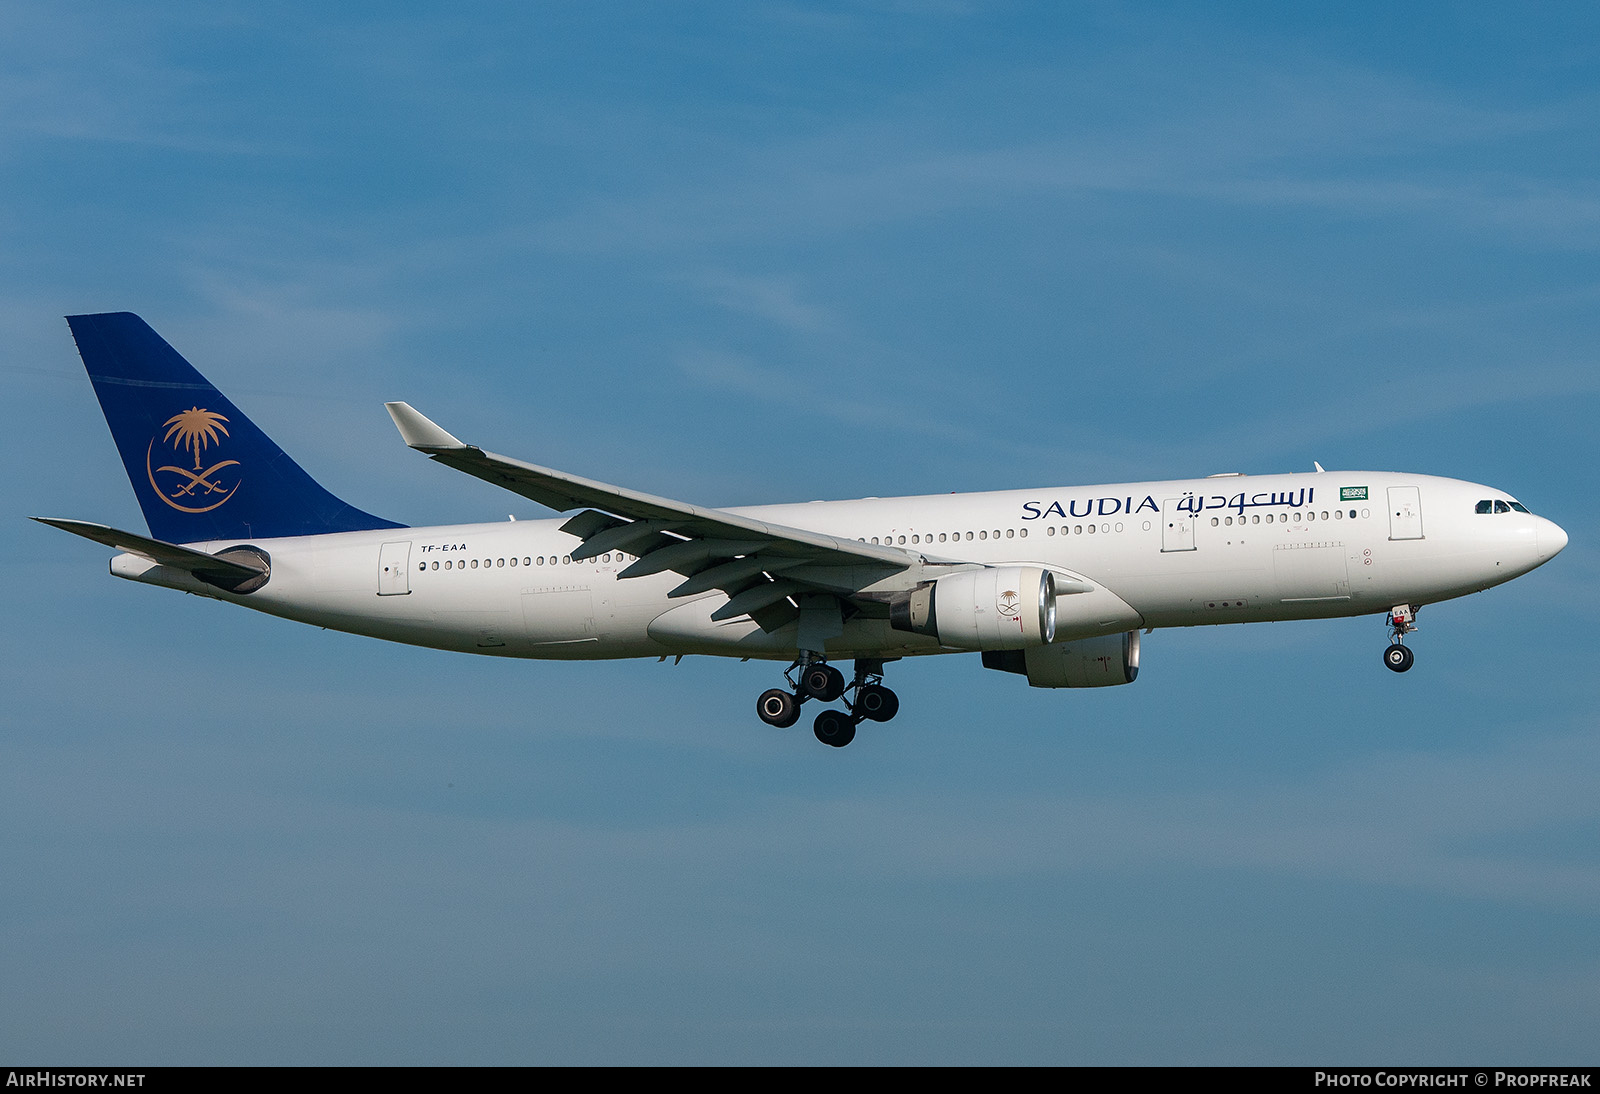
(1405, 512)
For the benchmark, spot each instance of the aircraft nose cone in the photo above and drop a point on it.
(1552, 539)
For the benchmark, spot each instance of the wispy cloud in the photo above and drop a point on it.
(1337, 139)
(1505, 825)
(776, 300)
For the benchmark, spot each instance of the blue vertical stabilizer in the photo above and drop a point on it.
(200, 469)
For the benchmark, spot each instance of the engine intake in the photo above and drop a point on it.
(997, 608)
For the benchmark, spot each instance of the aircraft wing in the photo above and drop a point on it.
(759, 564)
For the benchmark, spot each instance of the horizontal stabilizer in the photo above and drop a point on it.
(240, 570)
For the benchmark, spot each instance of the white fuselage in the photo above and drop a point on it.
(1227, 549)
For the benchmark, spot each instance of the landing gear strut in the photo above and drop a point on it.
(813, 678)
(1402, 621)
(872, 700)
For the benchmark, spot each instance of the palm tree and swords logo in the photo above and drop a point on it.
(188, 490)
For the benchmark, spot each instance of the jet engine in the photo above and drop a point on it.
(998, 608)
(1086, 663)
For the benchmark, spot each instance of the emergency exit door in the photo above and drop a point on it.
(1177, 525)
(394, 569)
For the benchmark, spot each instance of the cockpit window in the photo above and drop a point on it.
(1519, 507)
(1485, 506)
(1494, 505)
(1501, 507)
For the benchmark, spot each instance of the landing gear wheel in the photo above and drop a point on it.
(820, 681)
(1398, 657)
(834, 727)
(778, 708)
(876, 702)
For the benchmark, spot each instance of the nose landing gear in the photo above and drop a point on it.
(818, 680)
(1402, 621)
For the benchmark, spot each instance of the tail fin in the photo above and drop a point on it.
(202, 471)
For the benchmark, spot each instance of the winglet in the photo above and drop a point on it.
(417, 431)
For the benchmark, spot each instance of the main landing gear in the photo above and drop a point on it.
(819, 680)
(1402, 621)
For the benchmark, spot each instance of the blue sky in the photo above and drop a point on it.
(770, 252)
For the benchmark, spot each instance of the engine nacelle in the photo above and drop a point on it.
(997, 608)
(1086, 663)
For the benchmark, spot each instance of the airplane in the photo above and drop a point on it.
(1056, 585)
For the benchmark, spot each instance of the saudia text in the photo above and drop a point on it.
(1189, 503)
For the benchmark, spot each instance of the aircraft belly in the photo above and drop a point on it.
(1310, 570)
(1420, 576)
(558, 614)
(689, 628)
